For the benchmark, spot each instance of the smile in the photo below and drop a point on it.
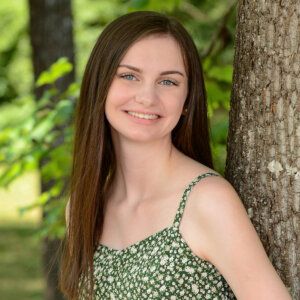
(143, 116)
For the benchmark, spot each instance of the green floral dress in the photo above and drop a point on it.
(162, 266)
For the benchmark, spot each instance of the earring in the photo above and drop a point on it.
(184, 111)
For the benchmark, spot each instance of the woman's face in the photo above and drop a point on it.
(147, 94)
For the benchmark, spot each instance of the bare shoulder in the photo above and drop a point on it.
(214, 194)
(231, 242)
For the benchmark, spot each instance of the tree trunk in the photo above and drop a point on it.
(51, 37)
(263, 145)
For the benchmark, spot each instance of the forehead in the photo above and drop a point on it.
(161, 51)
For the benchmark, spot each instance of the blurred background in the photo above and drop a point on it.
(33, 165)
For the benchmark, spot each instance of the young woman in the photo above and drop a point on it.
(148, 217)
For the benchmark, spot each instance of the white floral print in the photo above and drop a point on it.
(162, 266)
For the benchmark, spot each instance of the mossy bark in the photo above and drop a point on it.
(263, 147)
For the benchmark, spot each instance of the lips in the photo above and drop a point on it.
(147, 116)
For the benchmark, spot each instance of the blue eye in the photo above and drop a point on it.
(128, 76)
(168, 82)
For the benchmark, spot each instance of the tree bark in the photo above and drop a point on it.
(51, 35)
(263, 146)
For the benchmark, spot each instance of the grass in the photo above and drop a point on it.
(21, 275)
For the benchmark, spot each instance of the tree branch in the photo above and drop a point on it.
(219, 31)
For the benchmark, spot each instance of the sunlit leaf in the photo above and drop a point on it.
(221, 73)
(10, 174)
(43, 127)
(58, 69)
(72, 91)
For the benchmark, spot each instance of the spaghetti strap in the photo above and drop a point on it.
(161, 266)
(182, 204)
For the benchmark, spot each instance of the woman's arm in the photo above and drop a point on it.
(233, 245)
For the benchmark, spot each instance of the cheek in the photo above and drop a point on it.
(111, 102)
(115, 97)
(177, 103)
(175, 109)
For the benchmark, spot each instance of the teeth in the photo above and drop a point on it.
(142, 116)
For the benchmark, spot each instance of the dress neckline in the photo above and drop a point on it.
(174, 226)
(137, 244)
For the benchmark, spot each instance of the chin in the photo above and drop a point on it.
(136, 137)
(139, 138)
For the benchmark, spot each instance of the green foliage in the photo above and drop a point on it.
(59, 68)
(38, 128)
(156, 5)
(47, 132)
(15, 65)
(218, 84)
(218, 143)
(21, 274)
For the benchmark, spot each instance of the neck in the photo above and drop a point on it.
(143, 168)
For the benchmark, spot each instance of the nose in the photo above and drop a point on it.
(146, 95)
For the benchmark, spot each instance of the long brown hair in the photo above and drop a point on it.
(94, 160)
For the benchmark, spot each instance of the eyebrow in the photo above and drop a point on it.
(162, 73)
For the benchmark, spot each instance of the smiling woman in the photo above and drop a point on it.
(149, 88)
(148, 217)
